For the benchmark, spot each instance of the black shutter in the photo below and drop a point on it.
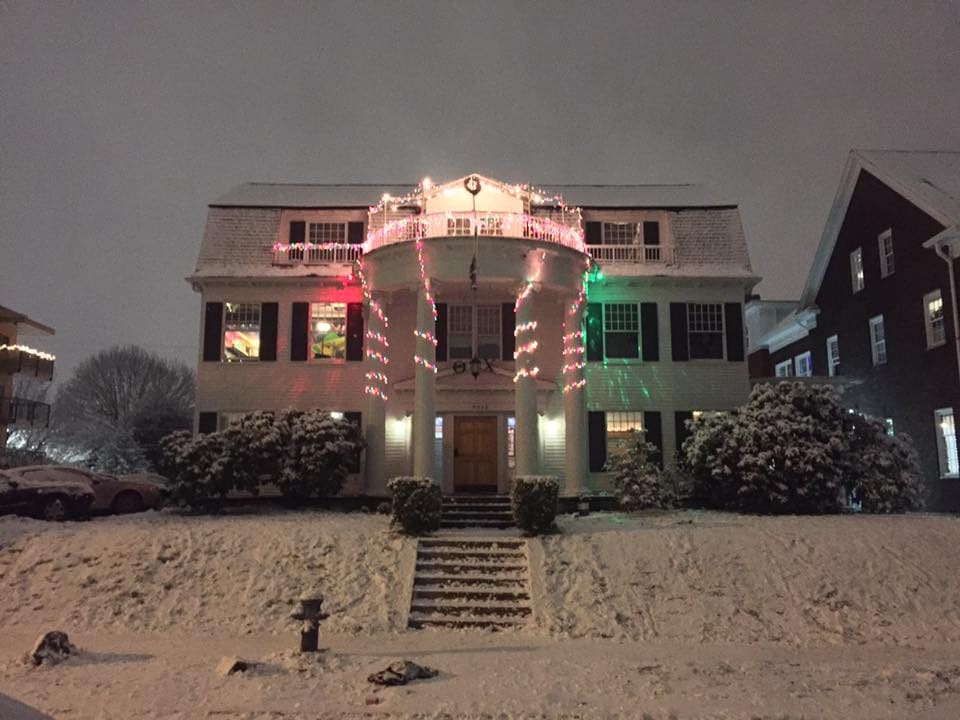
(355, 419)
(355, 233)
(594, 332)
(650, 327)
(651, 232)
(206, 422)
(678, 331)
(299, 331)
(440, 332)
(508, 323)
(213, 332)
(733, 319)
(597, 434)
(653, 431)
(680, 428)
(298, 231)
(268, 331)
(354, 331)
(593, 233)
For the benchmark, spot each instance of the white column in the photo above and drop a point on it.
(574, 403)
(424, 413)
(374, 416)
(526, 390)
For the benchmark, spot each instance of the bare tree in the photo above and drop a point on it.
(117, 405)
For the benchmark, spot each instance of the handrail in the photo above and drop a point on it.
(316, 254)
(630, 253)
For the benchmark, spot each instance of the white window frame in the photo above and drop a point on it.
(620, 423)
(887, 259)
(857, 279)
(936, 328)
(948, 457)
(475, 334)
(617, 319)
(234, 307)
(784, 368)
(310, 320)
(706, 319)
(878, 344)
(803, 364)
(326, 233)
(833, 355)
(622, 233)
(457, 315)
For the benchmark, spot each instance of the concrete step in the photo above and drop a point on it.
(477, 507)
(473, 568)
(482, 554)
(476, 499)
(472, 609)
(491, 543)
(470, 592)
(478, 623)
(441, 581)
(495, 516)
(464, 523)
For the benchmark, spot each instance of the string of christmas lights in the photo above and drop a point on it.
(420, 360)
(428, 336)
(379, 337)
(377, 380)
(526, 345)
(573, 340)
(29, 351)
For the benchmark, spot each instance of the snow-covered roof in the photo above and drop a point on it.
(930, 179)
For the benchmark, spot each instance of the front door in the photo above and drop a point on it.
(475, 454)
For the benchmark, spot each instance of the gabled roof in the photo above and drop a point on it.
(930, 179)
(17, 318)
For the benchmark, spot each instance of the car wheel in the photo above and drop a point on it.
(55, 509)
(127, 502)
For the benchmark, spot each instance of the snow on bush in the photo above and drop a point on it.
(638, 481)
(793, 448)
(534, 500)
(416, 504)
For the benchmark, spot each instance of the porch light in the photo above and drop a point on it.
(475, 367)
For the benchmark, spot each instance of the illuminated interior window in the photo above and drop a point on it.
(784, 369)
(619, 427)
(888, 422)
(933, 319)
(705, 330)
(833, 355)
(328, 331)
(438, 428)
(803, 364)
(321, 233)
(856, 270)
(878, 341)
(621, 330)
(241, 334)
(885, 242)
(946, 430)
(511, 442)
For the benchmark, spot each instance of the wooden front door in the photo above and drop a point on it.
(475, 454)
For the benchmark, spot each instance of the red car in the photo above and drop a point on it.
(112, 493)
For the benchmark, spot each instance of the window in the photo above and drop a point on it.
(856, 270)
(888, 423)
(784, 369)
(705, 323)
(488, 332)
(621, 330)
(321, 233)
(833, 355)
(460, 332)
(619, 427)
(491, 226)
(885, 242)
(620, 233)
(438, 428)
(241, 334)
(933, 319)
(511, 442)
(803, 364)
(878, 341)
(458, 226)
(947, 442)
(462, 320)
(328, 331)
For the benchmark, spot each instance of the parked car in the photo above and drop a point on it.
(49, 496)
(112, 493)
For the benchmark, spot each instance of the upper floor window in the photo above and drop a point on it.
(705, 327)
(833, 355)
(473, 330)
(885, 243)
(328, 331)
(621, 330)
(458, 226)
(324, 232)
(784, 369)
(631, 233)
(803, 364)
(460, 332)
(856, 270)
(947, 442)
(241, 332)
(878, 341)
(488, 332)
(491, 226)
(933, 319)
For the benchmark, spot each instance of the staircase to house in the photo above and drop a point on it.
(479, 511)
(479, 582)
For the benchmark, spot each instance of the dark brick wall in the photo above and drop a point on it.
(915, 381)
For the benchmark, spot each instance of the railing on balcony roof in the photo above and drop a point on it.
(311, 254)
(26, 361)
(485, 224)
(14, 410)
(626, 254)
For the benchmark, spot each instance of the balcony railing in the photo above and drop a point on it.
(310, 254)
(484, 224)
(15, 410)
(26, 361)
(650, 254)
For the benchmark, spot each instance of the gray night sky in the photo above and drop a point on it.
(120, 121)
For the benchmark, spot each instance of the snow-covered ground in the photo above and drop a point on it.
(686, 615)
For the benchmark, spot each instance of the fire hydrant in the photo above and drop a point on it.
(310, 616)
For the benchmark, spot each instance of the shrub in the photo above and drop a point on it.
(636, 477)
(881, 471)
(416, 504)
(319, 452)
(195, 467)
(534, 500)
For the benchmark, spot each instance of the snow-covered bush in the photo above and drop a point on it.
(254, 445)
(534, 500)
(636, 477)
(319, 452)
(881, 471)
(416, 504)
(195, 468)
(709, 456)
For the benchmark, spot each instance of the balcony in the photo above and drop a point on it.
(16, 411)
(631, 254)
(310, 254)
(26, 361)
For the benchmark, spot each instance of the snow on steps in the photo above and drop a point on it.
(486, 511)
(471, 583)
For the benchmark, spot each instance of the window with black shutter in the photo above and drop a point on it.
(206, 422)
(650, 327)
(213, 332)
(594, 332)
(593, 233)
(653, 432)
(299, 326)
(508, 323)
(355, 419)
(733, 317)
(621, 330)
(440, 332)
(597, 436)
(298, 231)
(355, 233)
(354, 331)
(705, 331)
(680, 349)
(651, 232)
(269, 313)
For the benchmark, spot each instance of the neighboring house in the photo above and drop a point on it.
(18, 359)
(475, 330)
(761, 316)
(878, 313)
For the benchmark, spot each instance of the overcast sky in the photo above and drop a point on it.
(120, 121)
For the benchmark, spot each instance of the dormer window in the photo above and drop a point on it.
(324, 232)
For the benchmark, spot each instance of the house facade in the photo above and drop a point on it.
(475, 330)
(878, 314)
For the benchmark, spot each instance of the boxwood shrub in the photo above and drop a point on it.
(415, 506)
(534, 501)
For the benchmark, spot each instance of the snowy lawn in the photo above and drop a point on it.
(686, 615)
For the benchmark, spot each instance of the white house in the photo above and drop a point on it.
(475, 329)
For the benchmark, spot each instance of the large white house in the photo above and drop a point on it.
(475, 329)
